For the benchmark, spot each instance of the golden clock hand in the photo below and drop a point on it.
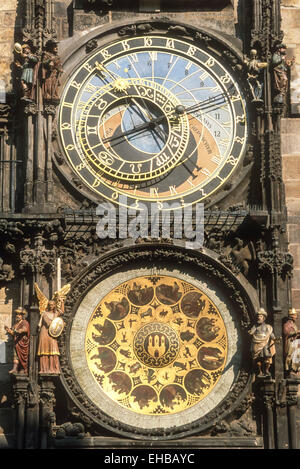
(101, 68)
(180, 109)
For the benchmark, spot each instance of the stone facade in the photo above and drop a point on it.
(72, 25)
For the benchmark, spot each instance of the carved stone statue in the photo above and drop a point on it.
(50, 327)
(51, 72)
(6, 271)
(69, 429)
(255, 79)
(20, 334)
(291, 336)
(263, 344)
(280, 72)
(242, 255)
(27, 63)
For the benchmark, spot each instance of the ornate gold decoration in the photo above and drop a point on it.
(121, 85)
(156, 345)
(58, 297)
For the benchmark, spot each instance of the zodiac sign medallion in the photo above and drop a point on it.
(156, 345)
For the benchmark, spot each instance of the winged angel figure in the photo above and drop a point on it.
(50, 327)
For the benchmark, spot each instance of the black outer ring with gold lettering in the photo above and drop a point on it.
(107, 187)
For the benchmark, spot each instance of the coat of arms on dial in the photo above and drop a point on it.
(156, 345)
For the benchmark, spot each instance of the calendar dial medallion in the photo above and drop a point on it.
(155, 350)
(155, 119)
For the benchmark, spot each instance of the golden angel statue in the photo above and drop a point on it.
(50, 327)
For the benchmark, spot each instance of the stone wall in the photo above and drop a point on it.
(290, 13)
(8, 16)
(9, 300)
(291, 176)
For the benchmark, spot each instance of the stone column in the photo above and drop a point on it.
(47, 403)
(20, 388)
(292, 385)
(268, 398)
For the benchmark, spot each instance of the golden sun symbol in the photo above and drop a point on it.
(120, 84)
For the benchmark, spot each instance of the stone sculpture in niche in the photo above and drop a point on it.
(51, 72)
(20, 334)
(262, 344)
(291, 336)
(281, 65)
(254, 77)
(27, 64)
(50, 327)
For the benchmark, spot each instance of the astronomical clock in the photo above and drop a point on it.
(138, 339)
(155, 118)
(153, 346)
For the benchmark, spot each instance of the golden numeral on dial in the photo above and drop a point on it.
(81, 105)
(80, 166)
(96, 183)
(76, 84)
(102, 104)
(174, 142)
(105, 53)
(235, 97)
(66, 125)
(232, 160)
(125, 45)
(225, 78)
(210, 62)
(153, 191)
(162, 159)
(153, 55)
(192, 50)
(240, 119)
(88, 67)
(136, 168)
(170, 43)
(106, 158)
(147, 41)
(240, 140)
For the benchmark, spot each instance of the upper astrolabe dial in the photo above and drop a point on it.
(153, 118)
(138, 133)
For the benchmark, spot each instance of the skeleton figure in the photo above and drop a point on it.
(255, 79)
